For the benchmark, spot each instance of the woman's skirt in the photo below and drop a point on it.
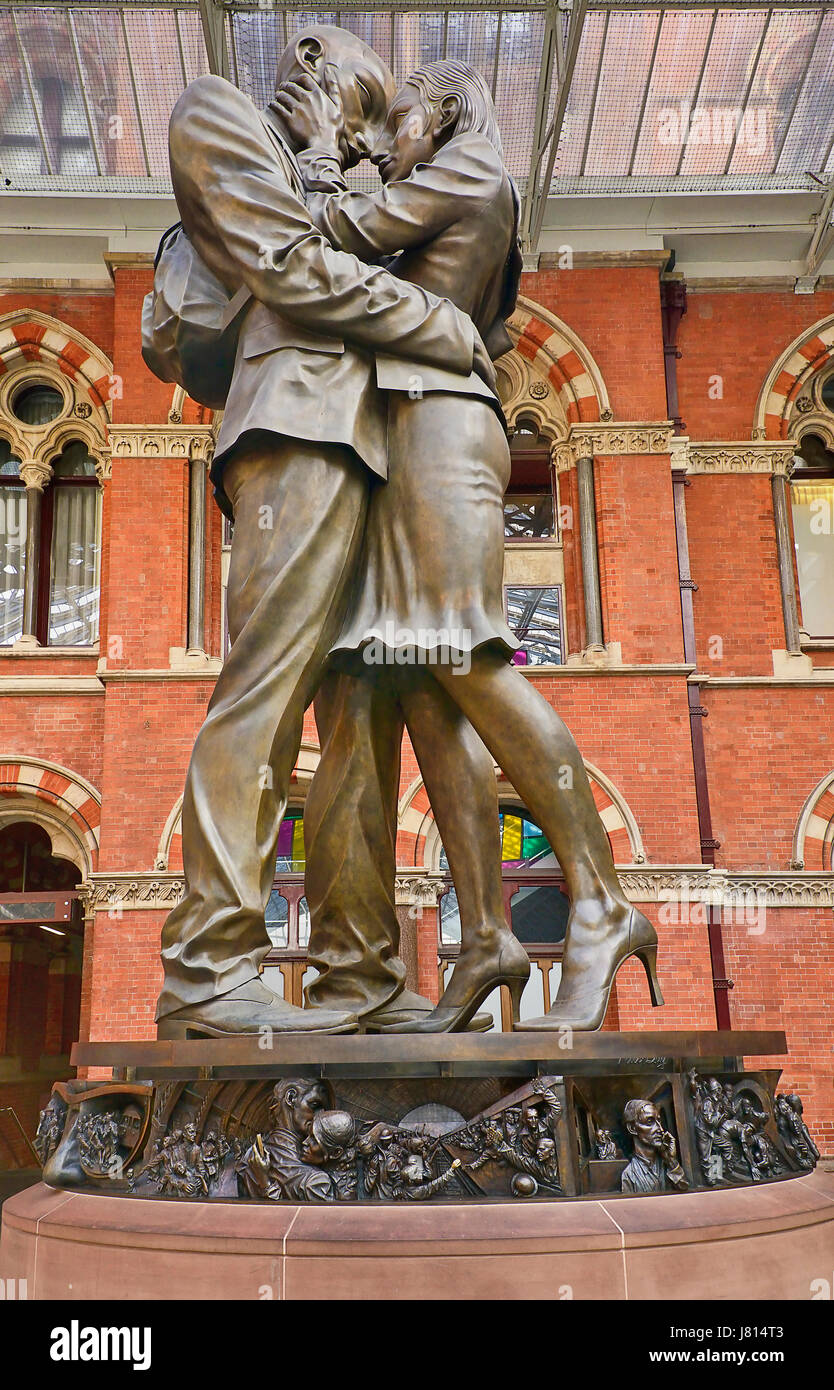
(430, 582)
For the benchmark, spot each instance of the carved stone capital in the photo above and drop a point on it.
(611, 437)
(127, 892)
(34, 473)
(418, 890)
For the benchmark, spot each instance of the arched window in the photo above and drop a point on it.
(42, 938)
(12, 545)
(67, 541)
(812, 506)
(287, 914)
(533, 557)
(529, 510)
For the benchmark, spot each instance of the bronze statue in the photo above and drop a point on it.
(303, 431)
(345, 374)
(654, 1165)
(274, 1166)
(794, 1131)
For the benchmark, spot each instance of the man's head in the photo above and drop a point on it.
(365, 84)
(296, 1102)
(439, 101)
(642, 1121)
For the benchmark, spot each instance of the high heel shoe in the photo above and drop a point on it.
(584, 1010)
(512, 969)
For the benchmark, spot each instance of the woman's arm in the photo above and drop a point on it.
(460, 181)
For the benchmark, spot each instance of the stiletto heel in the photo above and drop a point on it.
(648, 956)
(516, 988)
(583, 1010)
(512, 969)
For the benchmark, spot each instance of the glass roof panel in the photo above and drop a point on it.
(621, 85)
(681, 96)
(808, 143)
(713, 128)
(784, 58)
(678, 62)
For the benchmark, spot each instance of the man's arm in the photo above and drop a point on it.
(248, 226)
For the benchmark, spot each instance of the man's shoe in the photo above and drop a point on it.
(251, 1008)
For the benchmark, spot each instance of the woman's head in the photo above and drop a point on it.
(438, 101)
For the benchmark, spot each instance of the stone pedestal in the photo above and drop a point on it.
(765, 1242)
(601, 1165)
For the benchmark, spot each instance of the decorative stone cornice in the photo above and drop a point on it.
(736, 892)
(162, 441)
(747, 456)
(612, 437)
(127, 892)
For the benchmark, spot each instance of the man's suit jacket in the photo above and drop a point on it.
(305, 364)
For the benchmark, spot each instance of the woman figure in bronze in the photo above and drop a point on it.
(434, 549)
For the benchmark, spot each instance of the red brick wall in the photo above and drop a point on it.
(737, 335)
(732, 553)
(767, 746)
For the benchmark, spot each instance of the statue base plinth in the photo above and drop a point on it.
(451, 1118)
(749, 1243)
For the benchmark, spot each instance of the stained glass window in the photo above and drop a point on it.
(291, 857)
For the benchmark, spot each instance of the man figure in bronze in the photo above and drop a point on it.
(306, 423)
(304, 427)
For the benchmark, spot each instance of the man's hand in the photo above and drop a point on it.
(312, 114)
(482, 364)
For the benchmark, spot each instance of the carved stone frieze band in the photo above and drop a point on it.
(642, 883)
(614, 437)
(716, 456)
(162, 441)
(747, 456)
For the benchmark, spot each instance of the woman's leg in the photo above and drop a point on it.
(538, 754)
(459, 776)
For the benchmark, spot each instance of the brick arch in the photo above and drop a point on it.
(813, 841)
(64, 803)
(562, 360)
(185, 410)
(802, 359)
(419, 838)
(28, 336)
(169, 852)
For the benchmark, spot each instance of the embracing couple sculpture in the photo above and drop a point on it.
(363, 457)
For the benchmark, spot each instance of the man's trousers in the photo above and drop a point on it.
(299, 518)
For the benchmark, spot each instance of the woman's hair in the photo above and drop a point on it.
(451, 78)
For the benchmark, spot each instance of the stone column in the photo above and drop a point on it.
(784, 550)
(195, 641)
(35, 476)
(590, 555)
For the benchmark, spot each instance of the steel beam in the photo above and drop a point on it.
(537, 190)
(823, 234)
(212, 16)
